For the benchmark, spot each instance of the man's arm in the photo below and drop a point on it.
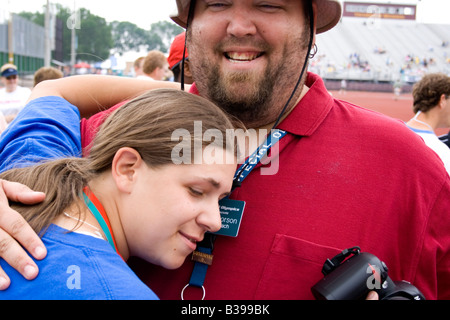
(94, 93)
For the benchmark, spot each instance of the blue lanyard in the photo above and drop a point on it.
(275, 136)
(207, 245)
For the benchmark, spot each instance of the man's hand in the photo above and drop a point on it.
(14, 230)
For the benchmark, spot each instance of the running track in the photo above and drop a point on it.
(383, 102)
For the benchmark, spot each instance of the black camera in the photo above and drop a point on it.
(351, 275)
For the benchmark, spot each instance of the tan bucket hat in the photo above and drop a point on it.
(328, 14)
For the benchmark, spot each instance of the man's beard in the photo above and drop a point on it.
(250, 106)
(255, 99)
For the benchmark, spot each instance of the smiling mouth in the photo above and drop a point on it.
(242, 56)
(192, 240)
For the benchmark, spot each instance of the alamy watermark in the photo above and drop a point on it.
(208, 147)
(374, 281)
(74, 280)
(74, 21)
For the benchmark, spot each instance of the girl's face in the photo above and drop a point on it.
(172, 207)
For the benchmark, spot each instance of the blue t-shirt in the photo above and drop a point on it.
(77, 267)
(47, 128)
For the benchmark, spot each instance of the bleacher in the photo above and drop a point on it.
(389, 51)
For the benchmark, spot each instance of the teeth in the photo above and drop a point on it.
(238, 56)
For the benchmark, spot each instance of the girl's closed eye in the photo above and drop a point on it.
(196, 192)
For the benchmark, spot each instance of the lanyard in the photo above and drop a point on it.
(99, 213)
(203, 254)
(275, 136)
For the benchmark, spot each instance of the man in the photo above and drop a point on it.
(176, 59)
(432, 111)
(445, 138)
(155, 66)
(347, 176)
(46, 73)
(138, 66)
(12, 97)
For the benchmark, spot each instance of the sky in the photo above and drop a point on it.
(140, 12)
(145, 12)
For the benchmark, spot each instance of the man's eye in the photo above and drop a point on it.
(269, 8)
(216, 4)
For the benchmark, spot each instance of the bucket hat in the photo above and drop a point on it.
(328, 14)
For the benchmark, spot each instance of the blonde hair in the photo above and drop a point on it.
(47, 73)
(8, 66)
(154, 59)
(145, 124)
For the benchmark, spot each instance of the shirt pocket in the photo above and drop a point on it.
(293, 267)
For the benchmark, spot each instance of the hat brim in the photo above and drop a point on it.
(9, 72)
(329, 13)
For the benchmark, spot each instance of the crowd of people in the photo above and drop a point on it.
(345, 176)
(13, 97)
(154, 66)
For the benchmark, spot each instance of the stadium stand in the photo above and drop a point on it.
(382, 51)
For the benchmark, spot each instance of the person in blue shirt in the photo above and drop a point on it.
(127, 198)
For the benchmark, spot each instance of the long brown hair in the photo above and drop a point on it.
(145, 124)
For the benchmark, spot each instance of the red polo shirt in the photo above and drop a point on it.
(347, 177)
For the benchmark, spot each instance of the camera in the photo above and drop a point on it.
(351, 275)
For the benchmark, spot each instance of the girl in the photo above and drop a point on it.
(126, 199)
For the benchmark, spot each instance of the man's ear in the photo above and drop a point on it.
(187, 69)
(124, 168)
(443, 101)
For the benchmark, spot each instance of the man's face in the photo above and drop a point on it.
(247, 55)
(10, 82)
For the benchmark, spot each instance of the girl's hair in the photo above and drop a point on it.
(145, 124)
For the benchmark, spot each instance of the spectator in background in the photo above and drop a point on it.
(47, 73)
(343, 89)
(432, 108)
(139, 67)
(445, 139)
(397, 89)
(176, 58)
(155, 66)
(12, 97)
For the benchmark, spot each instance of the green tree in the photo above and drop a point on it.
(94, 38)
(162, 34)
(35, 17)
(127, 37)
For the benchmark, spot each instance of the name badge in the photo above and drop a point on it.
(231, 212)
